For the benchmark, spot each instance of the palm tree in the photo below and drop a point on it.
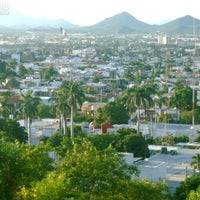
(61, 106)
(161, 99)
(6, 108)
(29, 105)
(139, 97)
(75, 97)
(12, 64)
(195, 163)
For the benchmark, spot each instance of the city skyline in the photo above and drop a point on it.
(89, 12)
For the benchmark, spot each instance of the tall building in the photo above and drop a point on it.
(163, 39)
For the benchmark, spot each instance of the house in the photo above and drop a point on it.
(91, 107)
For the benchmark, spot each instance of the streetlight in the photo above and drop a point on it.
(165, 113)
(101, 90)
(176, 117)
(192, 132)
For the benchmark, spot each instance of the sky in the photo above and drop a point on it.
(89, 12)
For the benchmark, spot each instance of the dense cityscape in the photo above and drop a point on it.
(75, 106)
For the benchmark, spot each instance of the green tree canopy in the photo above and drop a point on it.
(181, 97)
(191, 183)
(125, 140)
(82, 173)
(22, 70)
(45, 111)
(2, 66)
(13, 83)
(6, 108)
(112, 113)
(47, 73)
(11, 131)
(20, 166)
(194, 195)
(103, 141)
(135, 144)
(195, 163)
(138, 97)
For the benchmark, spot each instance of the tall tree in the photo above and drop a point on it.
(61, 106)
(75, 96)
(161, 99)
(29, 105)
(138, 97)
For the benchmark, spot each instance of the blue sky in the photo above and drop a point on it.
(89, 12)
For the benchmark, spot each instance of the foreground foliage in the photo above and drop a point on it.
(194, 195)
(21, 165)
(10, 130)
(190, 185)
(80, 171)
(87, 173)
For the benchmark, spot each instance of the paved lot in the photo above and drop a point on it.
(39, 128)
(171, 168)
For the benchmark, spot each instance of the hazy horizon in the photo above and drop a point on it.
(89, 12)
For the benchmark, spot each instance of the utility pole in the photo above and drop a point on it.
(193, 84)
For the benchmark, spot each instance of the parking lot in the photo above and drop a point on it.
(171, 168)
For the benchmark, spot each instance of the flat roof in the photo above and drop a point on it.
(159, 147)
(188, 144)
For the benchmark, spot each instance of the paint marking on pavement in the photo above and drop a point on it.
(156, 165)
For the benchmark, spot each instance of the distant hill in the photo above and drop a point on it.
(125, 23)
(122, 23)
(18, 20)
(182, 25)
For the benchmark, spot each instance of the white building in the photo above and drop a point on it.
(163, 39)
(16, 57)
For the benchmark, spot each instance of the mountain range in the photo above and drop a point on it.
(122, 23)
